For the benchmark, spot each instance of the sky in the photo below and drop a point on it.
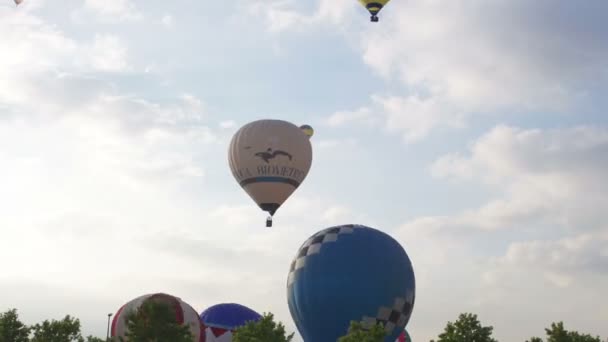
(474, 132)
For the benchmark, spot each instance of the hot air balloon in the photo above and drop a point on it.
(307, 129)
(220, 321)
(270, 159)
(184, 314)
(404, 337)
(350, 273)
(374, 6)
(17, 2)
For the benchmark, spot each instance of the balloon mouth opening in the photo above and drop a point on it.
(271, 208)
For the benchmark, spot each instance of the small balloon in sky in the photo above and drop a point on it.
(373, 7)
(307, 129)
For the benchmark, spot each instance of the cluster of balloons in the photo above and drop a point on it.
(340, 274)
(215, 324)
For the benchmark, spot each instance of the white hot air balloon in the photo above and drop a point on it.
(270, 159)
(185, 314)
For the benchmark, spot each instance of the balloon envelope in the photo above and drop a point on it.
(184, 314)
(308, 130)
(350, 273)
(270, 159)
(374, 6)
(219, 321)
(404, 337)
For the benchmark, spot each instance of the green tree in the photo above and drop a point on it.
(155, 322)
(12, 329)
(263, 330)
(65, 330)
(467, 328)
(91, 338)
(557, 333)
(356, 333)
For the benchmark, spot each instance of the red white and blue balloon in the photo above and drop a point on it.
(404, 337)
(220, 321)
(184, 314)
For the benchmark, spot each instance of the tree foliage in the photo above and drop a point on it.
(356, 333)
(264, 330)
(466, 329)
(12, 329)
(557, 333)
(65, 330)
(155, 322)
(91, 338)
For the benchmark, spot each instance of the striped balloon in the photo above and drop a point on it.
(184, 314)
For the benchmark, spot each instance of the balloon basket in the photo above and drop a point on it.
(269, 221)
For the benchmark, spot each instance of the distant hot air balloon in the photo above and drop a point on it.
(307, 129)
(270, 159)
(374, 6)
(184, 314)
(350, 273)
(220, 321)
(17, 2)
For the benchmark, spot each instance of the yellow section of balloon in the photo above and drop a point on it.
(307, 129)
(374, 6)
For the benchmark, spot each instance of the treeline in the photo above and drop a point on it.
(156, 322)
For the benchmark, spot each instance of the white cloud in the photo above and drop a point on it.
(472, 56)
(545, 227)
(416, 117)
(284, 15)
(463, 59)
(115, 9)
(551, 177)
(470, 59)
(557, 262)
(336, 214)
(362, 115)
(36, 52)
(108, 53)
(227, 124)
(334, 143)
(102, 173)
(412, 117)
(168, 21)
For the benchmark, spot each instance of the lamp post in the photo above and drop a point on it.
(108, 331)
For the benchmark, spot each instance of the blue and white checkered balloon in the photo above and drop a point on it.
(350, 273)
